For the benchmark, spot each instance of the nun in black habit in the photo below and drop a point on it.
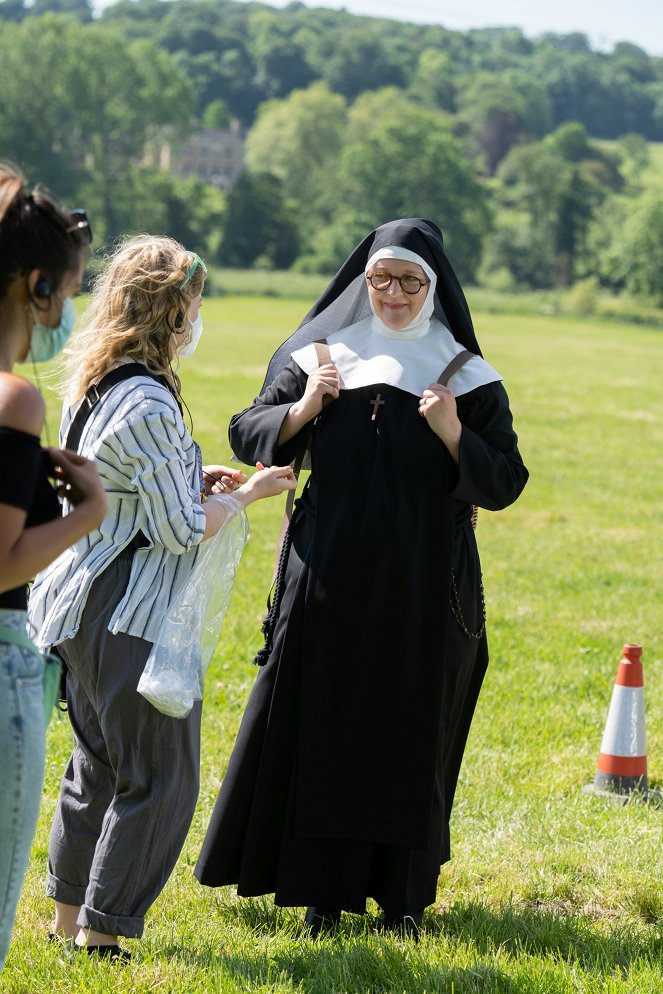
(342, 778)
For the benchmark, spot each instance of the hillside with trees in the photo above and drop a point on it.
(530, 153)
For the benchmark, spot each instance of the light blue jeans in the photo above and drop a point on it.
(21, 767)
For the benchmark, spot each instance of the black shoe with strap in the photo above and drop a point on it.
(114, 953)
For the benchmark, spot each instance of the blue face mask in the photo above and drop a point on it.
(45, 342)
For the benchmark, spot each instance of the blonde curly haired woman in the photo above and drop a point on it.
(130, 788)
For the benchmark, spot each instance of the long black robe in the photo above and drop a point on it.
(342, 779)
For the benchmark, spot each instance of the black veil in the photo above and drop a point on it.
(345, 300)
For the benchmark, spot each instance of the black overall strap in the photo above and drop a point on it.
(97, 391)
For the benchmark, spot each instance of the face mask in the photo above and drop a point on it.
(196, 332)
(45, 342)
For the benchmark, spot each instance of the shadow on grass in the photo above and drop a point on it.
(357, 959)
(599, 945)
(376, 967)
(373, 966)
(360, 958)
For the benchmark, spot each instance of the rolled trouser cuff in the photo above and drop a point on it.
(63, 892)
(130, 926)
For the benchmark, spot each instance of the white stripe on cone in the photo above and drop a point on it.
(624, 733)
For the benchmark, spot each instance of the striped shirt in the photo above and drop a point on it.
(151, 471)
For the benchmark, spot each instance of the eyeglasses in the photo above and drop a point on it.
(81, 225)
(408, 284)
(197, 261)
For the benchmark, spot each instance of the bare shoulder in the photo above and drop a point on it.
(21, 405)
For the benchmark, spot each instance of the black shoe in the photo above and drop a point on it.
(407, 926)
(116, 954)
(321, 920)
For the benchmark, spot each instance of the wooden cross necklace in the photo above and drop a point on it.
(377, 403)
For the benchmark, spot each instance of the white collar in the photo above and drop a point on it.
(365, 354)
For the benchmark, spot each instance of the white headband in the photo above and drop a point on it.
(396, 252)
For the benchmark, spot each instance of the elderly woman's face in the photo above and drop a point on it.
(393, 304)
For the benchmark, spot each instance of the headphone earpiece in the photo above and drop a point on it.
(43, 288)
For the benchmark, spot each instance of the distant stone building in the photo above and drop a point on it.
(214, 155)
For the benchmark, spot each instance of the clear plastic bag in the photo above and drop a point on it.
(174, 674)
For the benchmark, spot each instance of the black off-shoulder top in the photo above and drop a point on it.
(25, 483)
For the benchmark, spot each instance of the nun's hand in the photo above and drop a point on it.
(438, 406)
(323, 382)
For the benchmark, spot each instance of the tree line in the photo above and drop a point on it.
(529, 153)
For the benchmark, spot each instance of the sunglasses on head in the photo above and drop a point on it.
(197, 261)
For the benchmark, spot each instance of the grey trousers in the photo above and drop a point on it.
(130, 788)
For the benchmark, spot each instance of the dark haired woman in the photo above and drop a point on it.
(42, 256)
(342, 779)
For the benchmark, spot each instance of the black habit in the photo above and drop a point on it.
(342, 778)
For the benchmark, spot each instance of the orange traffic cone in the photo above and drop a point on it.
(622, 765)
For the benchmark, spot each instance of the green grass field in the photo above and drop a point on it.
(549, 889)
